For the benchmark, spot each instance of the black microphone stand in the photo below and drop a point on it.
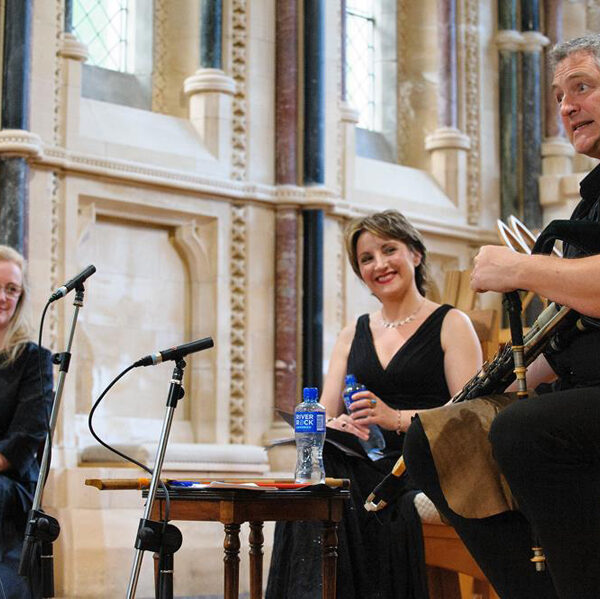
(42, 529)
(154, 536)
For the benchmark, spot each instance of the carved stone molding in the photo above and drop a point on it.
(403, 116)
(520, 41)
(55, 226)
(71, 47)
(209, 80)
(237, 408)
(17, 142)
(65, 48)
(159, 58)
(534, 41)
(509, 40)
(472, 100)
(194, 239)
(349, 114)
(447, 138)
(239, 71)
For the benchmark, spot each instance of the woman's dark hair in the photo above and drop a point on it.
(389, 224)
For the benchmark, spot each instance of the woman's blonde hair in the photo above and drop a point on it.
(389, 224)
(19, 329)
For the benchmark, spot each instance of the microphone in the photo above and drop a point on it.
(175, 353)
(76, 281)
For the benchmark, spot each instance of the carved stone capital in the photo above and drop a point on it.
(209, 80)
(509, 39)
(447, 138)
(71, 47)
(533, 41)
(17, 142)
(557, 146)
(348, 114)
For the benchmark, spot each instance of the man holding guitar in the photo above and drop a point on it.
(540, 463)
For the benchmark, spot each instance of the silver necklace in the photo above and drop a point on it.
(399, 323)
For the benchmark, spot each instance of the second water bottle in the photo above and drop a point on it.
(375, 444)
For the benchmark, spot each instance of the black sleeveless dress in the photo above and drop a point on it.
(380, 555)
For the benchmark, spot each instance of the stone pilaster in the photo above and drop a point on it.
(349, 117)
(531, 107)
(14, 170)
(508, 42)
(449, 149)
(557, 152)
(73, 54)
(210, 92)
(287, 225)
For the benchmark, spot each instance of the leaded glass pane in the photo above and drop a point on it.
(360, 59)
(102, 25)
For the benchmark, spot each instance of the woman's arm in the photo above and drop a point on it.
(462, 350)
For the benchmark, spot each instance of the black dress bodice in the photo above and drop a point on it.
(413, 379)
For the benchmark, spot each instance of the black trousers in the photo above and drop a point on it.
(548, 448)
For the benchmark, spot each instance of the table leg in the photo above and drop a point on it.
(330, 542)
(256, 540)
(231, 545)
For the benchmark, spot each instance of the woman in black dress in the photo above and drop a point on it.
(411, 354)
(24, 404)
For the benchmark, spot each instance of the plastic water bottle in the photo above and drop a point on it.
(375, 444)
(309, 426)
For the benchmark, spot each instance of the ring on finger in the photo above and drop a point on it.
(373, 402)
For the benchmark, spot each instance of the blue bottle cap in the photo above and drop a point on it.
(350, 379)
(310, 394)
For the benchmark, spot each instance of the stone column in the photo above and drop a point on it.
(287, 222)
(74, 54)
(349, 117)
(314, 167)
(531, 86)
(447, 146)
(557, 152)
(209, 89)
(14, 170)
(508, 40)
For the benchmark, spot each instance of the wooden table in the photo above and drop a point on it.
(234, 507)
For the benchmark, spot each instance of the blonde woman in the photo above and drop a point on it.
(24, 410)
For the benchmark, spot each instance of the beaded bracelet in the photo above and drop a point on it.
(398, 428)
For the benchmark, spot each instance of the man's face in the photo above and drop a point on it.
(576, 86)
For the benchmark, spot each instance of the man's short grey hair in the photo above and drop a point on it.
(590, 44)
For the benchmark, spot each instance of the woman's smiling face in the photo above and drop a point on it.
(11, 284)
(387, 266)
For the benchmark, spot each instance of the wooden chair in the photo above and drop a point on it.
(446, 558)
(451, 571)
